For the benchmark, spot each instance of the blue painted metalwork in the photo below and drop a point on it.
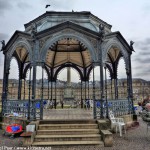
(120, 107)
(21, 107)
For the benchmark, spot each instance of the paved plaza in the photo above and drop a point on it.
(135, 139)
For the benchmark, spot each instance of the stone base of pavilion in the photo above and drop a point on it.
(66, 114)
(130, 121)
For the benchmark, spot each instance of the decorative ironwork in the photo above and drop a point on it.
(120, 107)
(29, 101)
(22, 108)
(106, 92)
(37, 44)
(41, 101)
(94, 104)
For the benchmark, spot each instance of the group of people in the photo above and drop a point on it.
(145, 109)
(145, 104)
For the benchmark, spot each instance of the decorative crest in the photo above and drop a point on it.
(3, 44)
(131, 45)
(34, 30)
(101, 31)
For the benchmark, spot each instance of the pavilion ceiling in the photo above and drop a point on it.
(21, 54)
(113, 55)
(68, 51)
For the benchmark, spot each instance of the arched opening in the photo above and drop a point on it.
(122, 76)
(13, 81)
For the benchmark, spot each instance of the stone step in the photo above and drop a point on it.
(68, 131)
(67, 126)
(66, 143)
(71, 121)
(46, 138)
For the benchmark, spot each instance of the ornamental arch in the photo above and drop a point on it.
(56, 40)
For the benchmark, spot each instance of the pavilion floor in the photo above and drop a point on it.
(65, 114)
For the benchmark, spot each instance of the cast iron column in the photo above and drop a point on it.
(35, 58)
(29, 95)
(81, 95)
(85, 90)
(102, 88)
(48, 89)
(55, 95)
(41, 102)
(106, 92)
(111, 90)
(130, 84)
(94, 105)
(51, 85)
(24, 89)
(5, 83)
(34, 81)
(88, 90)
(128, 90)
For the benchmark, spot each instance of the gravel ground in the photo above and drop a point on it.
(135, 139)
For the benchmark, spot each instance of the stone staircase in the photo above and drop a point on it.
(67, 133)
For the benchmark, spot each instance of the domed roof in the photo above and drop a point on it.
(52, 18)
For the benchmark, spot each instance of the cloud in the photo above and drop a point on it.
(142, 50)
(146, 8)
(145, 53)
(3, 36)
(23, 5)
(140, 71)
(5, 6)
(142, 43)
(142, 60)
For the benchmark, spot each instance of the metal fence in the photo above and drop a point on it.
(21, 108)
(119, 107)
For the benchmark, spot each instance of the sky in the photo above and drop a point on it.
(130, 17)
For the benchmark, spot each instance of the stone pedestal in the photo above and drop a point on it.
(107, 138)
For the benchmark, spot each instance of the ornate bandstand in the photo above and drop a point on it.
(56, 40)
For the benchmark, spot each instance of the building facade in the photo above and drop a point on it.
(141, 89)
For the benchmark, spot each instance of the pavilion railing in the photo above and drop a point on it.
(20, 108)
(119, 107)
